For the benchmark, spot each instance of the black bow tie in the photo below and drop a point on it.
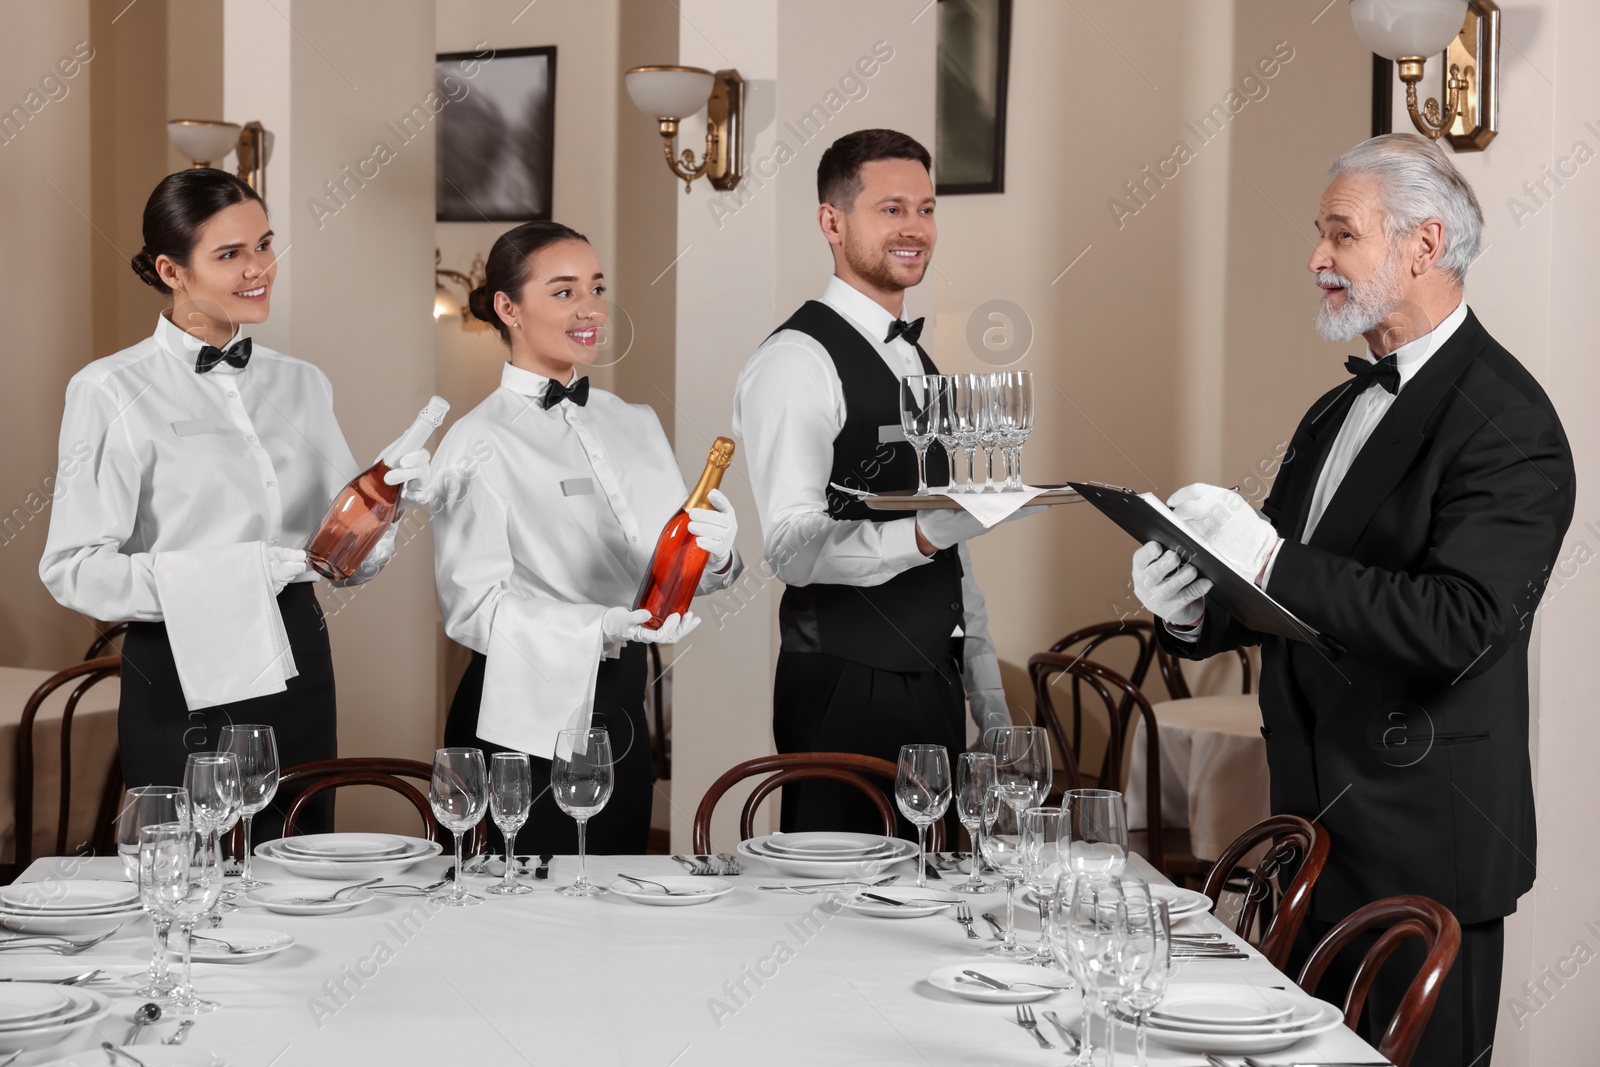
(555, 393)
(237, 355)
(910, 330)
(1384, 372)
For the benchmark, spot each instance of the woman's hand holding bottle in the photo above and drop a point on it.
(627, 624)
(715, 529)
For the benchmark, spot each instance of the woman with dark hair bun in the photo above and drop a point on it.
(548, 503)
(211, 461)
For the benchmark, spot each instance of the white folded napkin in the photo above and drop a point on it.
(990, 508)
(543, 657)
(227, 635)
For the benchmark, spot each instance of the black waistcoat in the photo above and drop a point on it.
(905, 623)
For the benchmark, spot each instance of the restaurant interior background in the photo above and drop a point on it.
(1171, 343)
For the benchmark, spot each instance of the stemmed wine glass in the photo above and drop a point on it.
(989, 426)
(1087, 924)
(1144, 965)
(947, 427)
(1044, 843)
(180, 868)
(581, 778)
(1022, 764)
(922, 790)
(919, 410)
(970, 413)
(974, 779)
(1097, 822)
(150, 805)
(216, 796)
(256, 748)
(1002, 847)
(510, 798)
(459, 795)
(1016, 417)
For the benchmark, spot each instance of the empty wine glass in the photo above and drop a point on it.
(150, 805)
(1044, 839)
(581, 778)
(971, 410)
(989, 426)
(947, 428)
(1002, 847)
(1087, 926)
(182, 867)
(922, 790)
(1016, 419)
(1097, 821)
(216, 795)
(1144, 964)
(974, 779)
(510, 798)
(256, 748)
(459, 795)
(919, 409)
(1022, 764)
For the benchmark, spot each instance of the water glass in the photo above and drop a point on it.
(1097, 822)
(922, 790)
(510, 799)
(919, 410)
(581, 778)
(458, 793)
(1044, 840)
(180, 874)
(256, 748)
(1144, 964)
(974, 779)
(150, 805)
(1002, 847)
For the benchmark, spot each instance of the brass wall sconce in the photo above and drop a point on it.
(672, 94)
(447, 303)
(1467, 32)
(203, 140)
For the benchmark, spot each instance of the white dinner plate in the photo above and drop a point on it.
(884, 850)
(825, 845)
(89, 1008)
(25, 1003)
(149, 1055)
(823, 868)
(1181, 903)
(71, 925)
(277, 897)
(89, 895)
(351, 847)
(916, 903)
(1305, 1014)
(346, 870)
(686, 889)
(257, 945)
(1048, 982)
(1248, 1044)
(1218, 1003)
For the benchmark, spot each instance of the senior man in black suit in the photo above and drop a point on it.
(1414, 523)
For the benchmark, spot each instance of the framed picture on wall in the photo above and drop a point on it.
(496, 137)
(974, 53)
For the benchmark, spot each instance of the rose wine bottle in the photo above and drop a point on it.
(365, 509)
(675, 568)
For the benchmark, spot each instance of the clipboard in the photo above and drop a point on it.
(1244, 601)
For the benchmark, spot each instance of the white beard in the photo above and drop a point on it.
(1366, 304)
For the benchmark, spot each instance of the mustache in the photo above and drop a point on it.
(1328, 277)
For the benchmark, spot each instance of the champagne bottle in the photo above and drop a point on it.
(365, 509)
(675, 567)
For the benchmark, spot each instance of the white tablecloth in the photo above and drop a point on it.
(543, 979)
(1213, 770)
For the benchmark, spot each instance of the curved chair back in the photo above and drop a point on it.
(1403, 917)
(87, 673)
(102, 646)
(1044, 668)
(785, 767)
(1178, 686)
(1295, 841)
(388, 772)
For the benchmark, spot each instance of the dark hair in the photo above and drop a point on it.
(183, 202)
(839, 172)
(508, 269)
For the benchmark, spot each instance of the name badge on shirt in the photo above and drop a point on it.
(577, 487)
(194, 427)
(891, 435)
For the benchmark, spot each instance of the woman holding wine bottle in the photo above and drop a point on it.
(545, 511)
(194, 465)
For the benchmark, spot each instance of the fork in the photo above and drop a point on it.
(730, 866)
(1026, 1020)
(233, 950)
(335, 895)
(695, 865)
(77, 979)
(964, 917)
(1067, 1032)
(66, 948)
(669, 892)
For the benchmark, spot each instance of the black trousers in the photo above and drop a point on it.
(623, 825)
(1461, 1030)
(157, 731)
(821, 703)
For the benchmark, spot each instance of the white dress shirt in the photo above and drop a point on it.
(157, 458)
(543, 521)
(788, 406)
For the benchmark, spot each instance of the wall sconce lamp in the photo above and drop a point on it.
(671, 94)
(447, 303)
(202, 140)
(1468, 33)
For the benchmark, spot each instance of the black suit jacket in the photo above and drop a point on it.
(1411, 744)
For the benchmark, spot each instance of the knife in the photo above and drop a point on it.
(543, 870)
(884, 900)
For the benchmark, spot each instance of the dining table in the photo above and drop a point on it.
(758, 976)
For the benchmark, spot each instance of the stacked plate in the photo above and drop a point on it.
(1181, 903)
(822, 854)
(1238, 1019)
(34, 1015)
(354, 857)
(76, 908)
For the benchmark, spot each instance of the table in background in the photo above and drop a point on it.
(544, 978)
(94, 746)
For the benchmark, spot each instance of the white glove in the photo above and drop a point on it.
(624, 624)
(411, 470)
(1169, 591)
(945, 528)
(1241, 535)
(715, 530)
(284, 565)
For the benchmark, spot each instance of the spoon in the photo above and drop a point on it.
(147, 1013)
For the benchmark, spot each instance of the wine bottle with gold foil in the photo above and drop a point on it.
(365, 509)
(677, 564)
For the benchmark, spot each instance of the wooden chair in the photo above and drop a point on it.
(1178, 686)
(388, 772)
(87, 674)
(847, 767)
(1277, 909)
(1404, 917)
(102, 645)
(1046, 666)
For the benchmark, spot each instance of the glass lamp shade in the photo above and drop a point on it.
(1399, 29)
(444, 302)
(671, 92)
(203, 141)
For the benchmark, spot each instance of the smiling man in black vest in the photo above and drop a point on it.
(884, 632)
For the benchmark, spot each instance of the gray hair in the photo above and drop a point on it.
(1418, 182)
